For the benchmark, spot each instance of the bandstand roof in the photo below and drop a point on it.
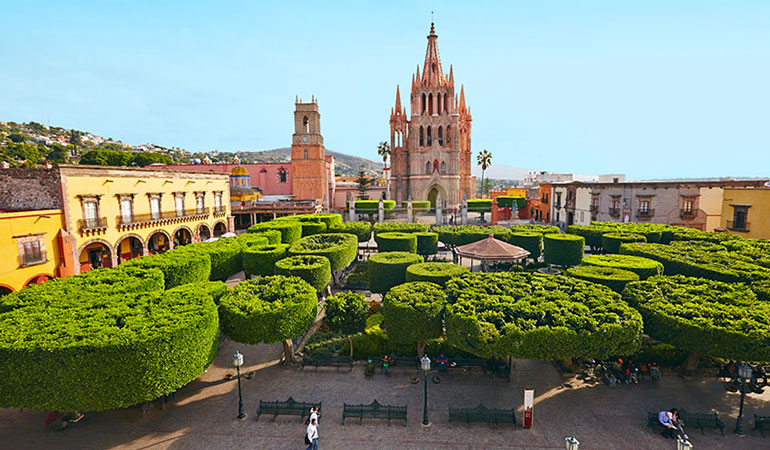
(491, 249)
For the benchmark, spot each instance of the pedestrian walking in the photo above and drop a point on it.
(311, 436)
(314, 414)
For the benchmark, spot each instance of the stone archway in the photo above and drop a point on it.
(38, 279)
(219, 229)
(204, 232)
(432, 197)
(182, 236)
(95, 254)
(5, 289)
(158, 242)
(128, 247)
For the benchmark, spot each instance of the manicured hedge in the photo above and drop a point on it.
(330, 219)
(179, 266)
(611, 241)
(402, 227)
(700, 259)
(593, 233)
(615, 279)
(247, 239)
(268, 309)
(87, 348)
(706, 317)
(291, 231)
(396, 242)
(260, 260)
(537, 316)
(373, 206)
(643, 267)
(761, 289)
(215, 289)
(563, 249)
(757, 250)
(225, 254)
(435, 272)
(388, 269)
(691, 234)
(413, 312)
(531, 241)
(273, 236)
(418, 206)
(315, 270)
(362, 230)
(505, 201)
(339, 248)
(465, 234)
(535, 227)
(480, 205)
(427, 243)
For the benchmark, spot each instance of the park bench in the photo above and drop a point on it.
(760, 423)
(373, 410)
(290, 407)
(333, 361)
(468, 364)
(482, 414)
(701, 421)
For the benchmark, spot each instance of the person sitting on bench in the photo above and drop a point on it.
(670, 420)
(442, 363)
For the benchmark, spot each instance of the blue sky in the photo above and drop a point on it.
(652, 89)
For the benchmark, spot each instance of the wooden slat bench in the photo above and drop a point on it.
(482, 414)
(333, 361)
(373, 410)
(290, 407)
(701, 421)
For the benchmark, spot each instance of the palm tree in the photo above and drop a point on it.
(383, 149)
(484, 159)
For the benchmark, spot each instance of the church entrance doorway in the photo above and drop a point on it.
(432, 195)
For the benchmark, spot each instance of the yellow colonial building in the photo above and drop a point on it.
(29, 242)
(73, 218)
(746, 212)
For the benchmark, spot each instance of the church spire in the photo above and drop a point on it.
(462, 98)
(398, 100)
(431, 70)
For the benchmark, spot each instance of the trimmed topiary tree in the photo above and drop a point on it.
(247, 239)
(88, 343)
(427, 243)
(414, 312)
(537, 316)
(531, 241)
(269, 309)
(339, 248)
(362, 230)
(643, 267)
(396, 242)
(704, 317)
(260, 260)
(481, 205)
(465, 234)
(179, 266)
(330, 219)
(611, 241)
(435, 272)
(291, 231)
(315, 270)
(346, 313)
(402, 227)
(418, 206)
(225, 254)
(535, 227)
(563, 249)
(273, 236)
(615, 279)
(388, 269)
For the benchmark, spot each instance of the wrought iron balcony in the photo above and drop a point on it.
(151, 218)
(218, 211)
(687, 214)
(92, 224)
(741, 226)
(645, 213)
(614, 212)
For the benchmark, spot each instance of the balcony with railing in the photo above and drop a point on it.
(643, 214)
(687, 214)
(614, 212)
(741, 225)
(92, 225)
(160, 217)
(218, 211)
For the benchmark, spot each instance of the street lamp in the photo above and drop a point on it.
(572, 443)
(425, 365)
(683, 444)
(238, 362)
(744, 371)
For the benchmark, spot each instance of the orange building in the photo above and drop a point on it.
(311, 179)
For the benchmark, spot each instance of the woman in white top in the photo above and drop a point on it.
(312, 435)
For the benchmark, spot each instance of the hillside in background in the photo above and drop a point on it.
(346, 165)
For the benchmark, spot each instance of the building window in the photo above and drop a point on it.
(688, 205)
(126, 208)
(282, 175)
(644, 206)
(443, 167)
(218, 202)
(422, 134)
(427, 168)
(615, 202)
(429, 136)
(155, 206)
(200, 202)
(558, 202)
(179, 203)
(305, 152)
(595, 202)
(740, 218)
(31, 250)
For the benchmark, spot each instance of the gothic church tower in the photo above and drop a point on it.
(431, 149)
(308, 157)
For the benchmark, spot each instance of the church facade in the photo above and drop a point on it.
(431, 148)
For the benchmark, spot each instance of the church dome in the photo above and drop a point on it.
(239, 170)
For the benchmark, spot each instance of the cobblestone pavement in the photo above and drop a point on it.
(203, 414)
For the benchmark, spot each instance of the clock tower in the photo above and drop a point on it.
(308, 157)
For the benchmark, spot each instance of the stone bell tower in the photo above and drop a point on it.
(308, 157)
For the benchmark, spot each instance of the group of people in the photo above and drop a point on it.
(442, 364)
(311, 434)
(674, 426)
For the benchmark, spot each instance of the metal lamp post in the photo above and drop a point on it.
(425, 365)
(572, 443)
(744, 371)
(238, 362)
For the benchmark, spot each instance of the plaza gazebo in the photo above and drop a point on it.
(491, 250)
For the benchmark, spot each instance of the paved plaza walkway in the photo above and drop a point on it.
(203, 414)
